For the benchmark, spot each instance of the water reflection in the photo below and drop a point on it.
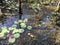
(9, 21)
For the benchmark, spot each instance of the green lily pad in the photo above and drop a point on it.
(29, 27)
(23, 25)
(17, 35)
(16, 22)
(21, 30)
(25, 20)
(15, 31)
(1, 35)
(10, 28)
(20, 21)
(3, 27)
(14, 26)
(5, 31)
(11, 40)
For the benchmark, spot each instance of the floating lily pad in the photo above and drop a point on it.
(5, 31)
(25, 20)
(20, 21)
(11, 40)
(16, 22)
(21, 30)
(10, 28)
(29, 27)
(14, 26)
(15, 31)
(1, 35)
(17, 35)
(23, 25)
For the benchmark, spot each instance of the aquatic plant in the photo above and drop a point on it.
(12, 33)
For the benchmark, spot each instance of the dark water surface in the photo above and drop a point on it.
(9, 21)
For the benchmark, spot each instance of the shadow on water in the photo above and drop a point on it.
(9, 21)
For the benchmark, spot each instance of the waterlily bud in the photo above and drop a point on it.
(11, 36)
(32, 36)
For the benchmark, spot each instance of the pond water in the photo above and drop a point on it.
(9, 21)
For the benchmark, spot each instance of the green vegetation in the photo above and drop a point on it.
(5, 32)
(42, 13)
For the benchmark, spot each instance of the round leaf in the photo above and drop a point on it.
(23, 25)
(14, 26)
(21, 30)
(15, 31)
(5, 31)
(1, 35)
(10, 28)
(17, 35)
(25, 20)
(29, 27)
(11, 40)
(20, 21)
(16, 22)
